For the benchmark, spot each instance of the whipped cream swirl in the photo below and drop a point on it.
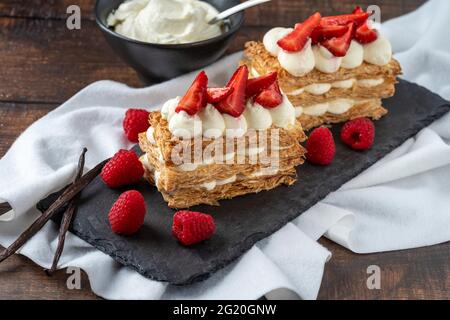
(304, 61)
(338, 106)
(210, 123)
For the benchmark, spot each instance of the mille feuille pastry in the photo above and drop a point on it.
(333, 69)
(236, 140)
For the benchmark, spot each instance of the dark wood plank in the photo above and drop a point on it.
(21, 279)
(288, 11)
(44, 9)
(46, 62)
(422, 273)
(15, 118)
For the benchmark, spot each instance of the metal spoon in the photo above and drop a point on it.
(229, 12)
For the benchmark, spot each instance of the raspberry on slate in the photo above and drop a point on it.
(135, 122)
(124, 168)
(127, 213)
(359, 134)
(320, 146)
(192, 227)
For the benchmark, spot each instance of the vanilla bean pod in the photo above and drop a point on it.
(68, 216)
(4, 208)
(62, 200)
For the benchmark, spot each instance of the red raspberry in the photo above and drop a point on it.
(124, 168)
(127, 213)
(192, 227)
(135, 122)
(320, 146)
(359, 134)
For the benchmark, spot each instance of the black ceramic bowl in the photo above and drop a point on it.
(159, 62)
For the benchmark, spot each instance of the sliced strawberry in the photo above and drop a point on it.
(316, 35)
(322, 33)
(271, 97)
(214, 95)
(195, 98)
(329, 32)
(339, 46)
(365, 34)
(296, 40)
(234, 104)
(357, 10)
(345, 19)
(257, 85)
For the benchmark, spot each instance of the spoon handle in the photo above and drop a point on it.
(236, 9)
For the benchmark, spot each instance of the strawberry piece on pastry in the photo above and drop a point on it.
(271, 97)
(234, 104)
(195, 98)
(296, 40)
(343, 20)
(322, 33)
(339, 46)
(358, 10)
(214, 95)
(257, 85)
(365, 33)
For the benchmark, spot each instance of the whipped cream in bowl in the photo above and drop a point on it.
(162, 39)
(165, 21)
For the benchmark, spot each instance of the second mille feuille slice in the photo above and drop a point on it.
(333, 69)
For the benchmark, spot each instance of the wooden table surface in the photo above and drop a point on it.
(43, 64)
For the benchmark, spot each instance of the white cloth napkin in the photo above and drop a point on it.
(401, 202)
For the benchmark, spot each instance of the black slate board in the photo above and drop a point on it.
(243, 221)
